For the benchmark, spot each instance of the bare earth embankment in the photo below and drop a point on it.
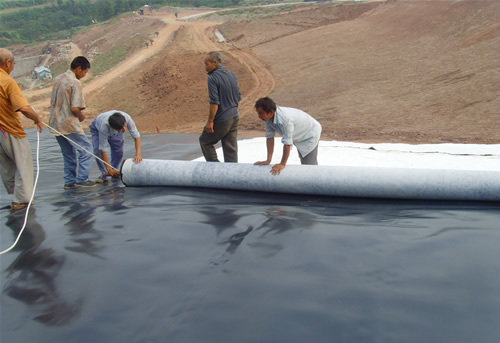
(401, 71)
(407, 71)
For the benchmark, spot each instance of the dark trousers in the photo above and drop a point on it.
(310, 158)
(227, 133)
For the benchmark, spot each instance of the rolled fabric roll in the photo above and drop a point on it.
(342, 181)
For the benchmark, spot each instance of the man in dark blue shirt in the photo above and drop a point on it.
(223, 117)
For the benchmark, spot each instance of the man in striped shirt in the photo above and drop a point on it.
(223, 116)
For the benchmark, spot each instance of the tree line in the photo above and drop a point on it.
(6, 4)
(60, 18)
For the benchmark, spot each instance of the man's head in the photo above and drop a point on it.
(117, 121)
(80, 66)
(212, 61)
(265, 108)
(6, 60)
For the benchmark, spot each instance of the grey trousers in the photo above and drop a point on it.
(310, 158)
(227, 133)
(16, 167)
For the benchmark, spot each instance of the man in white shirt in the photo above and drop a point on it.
(295, 127)
(107, 130)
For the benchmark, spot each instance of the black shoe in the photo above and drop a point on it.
(69, 186)
(85, 184)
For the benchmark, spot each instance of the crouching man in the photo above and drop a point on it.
(107, 129)
(295, 127)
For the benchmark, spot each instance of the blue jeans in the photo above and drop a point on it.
(77, 162)
(116, 143)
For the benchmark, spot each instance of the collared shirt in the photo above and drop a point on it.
(224, 91)
(11, 100)
(295, 127)
(66, 94)
(101, 124)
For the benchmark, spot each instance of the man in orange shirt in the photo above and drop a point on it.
(16, 162)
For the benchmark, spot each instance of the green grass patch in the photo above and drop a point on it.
(60, 67)
(112, 57)
(104, 62)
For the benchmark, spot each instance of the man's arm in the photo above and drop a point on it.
(277, 168)
(209, 127)
(30, 113)
(137, 158)
(111, 171)
(77, 112)
(270, 151)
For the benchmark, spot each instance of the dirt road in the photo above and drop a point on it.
(120, 70)
(200, 34)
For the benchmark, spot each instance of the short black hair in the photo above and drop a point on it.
(117, 121)
(267, 104)
(81, 62)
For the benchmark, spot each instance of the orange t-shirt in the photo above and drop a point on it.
(11, 100)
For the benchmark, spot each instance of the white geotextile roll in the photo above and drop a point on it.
(346, 181)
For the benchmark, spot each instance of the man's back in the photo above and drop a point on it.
(66, 94)
(224, 91)
(11, 99)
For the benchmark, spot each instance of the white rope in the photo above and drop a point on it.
(36, 180)
(32, 195)
(100, 159)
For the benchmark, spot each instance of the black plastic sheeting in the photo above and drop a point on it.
(152, 264)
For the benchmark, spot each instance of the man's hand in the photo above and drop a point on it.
(262, 163)
(77, 112)
(209, 127)
(112, 172)
(137, 159)
(115, 174)
(30, 113)
(40, 125)
(277, 168)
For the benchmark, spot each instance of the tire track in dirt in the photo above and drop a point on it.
(201, 34)
(200, 37)
(264, 80)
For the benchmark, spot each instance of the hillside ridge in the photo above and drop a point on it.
(398, 71)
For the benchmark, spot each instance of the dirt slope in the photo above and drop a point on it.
(401, 71)
(168, 92)
(413, 71)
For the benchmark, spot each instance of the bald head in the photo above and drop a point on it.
(5, 55)
(6, 60)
